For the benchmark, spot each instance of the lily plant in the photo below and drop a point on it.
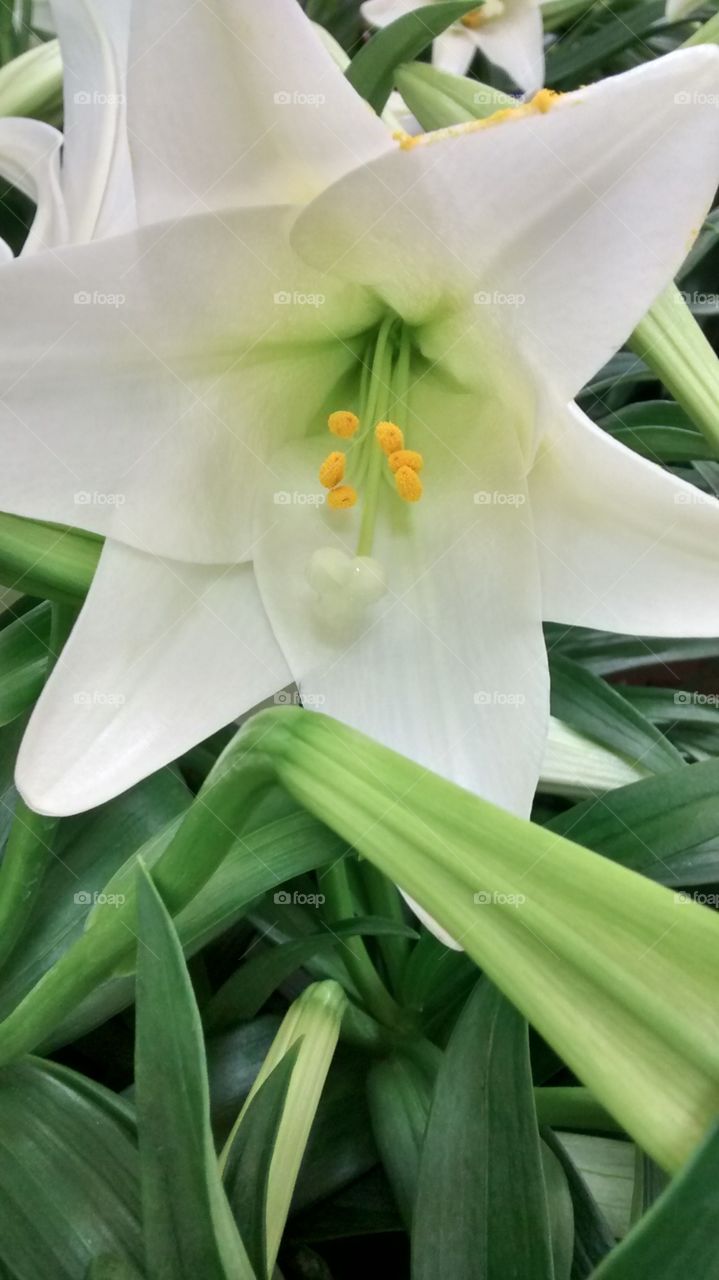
(319, 404)
(508, 32)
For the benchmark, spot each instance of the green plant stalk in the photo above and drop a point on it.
(668, 339)
(615, 975)
(29, 850)
(314, 1022)
(377, 999)
(385, 901)
(573, 1108)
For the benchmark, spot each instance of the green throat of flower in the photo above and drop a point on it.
(375, 456)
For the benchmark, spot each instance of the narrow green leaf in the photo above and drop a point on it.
(678, 1234)
(109, 1266)
(69, 1184)
(47, 560)
(439, 99)
(481, 1210)
(399, 1098)
(189, 1229)
(561, 1213)
(592, 1235)
(313, 1024)
(372, 70)
(23, 661)
(244, 994)
(247, 1172)
(666, 828)
(591, 706)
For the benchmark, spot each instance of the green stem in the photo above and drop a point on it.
(29, 851)
(379, 393)
(341, 906)
(385, 901)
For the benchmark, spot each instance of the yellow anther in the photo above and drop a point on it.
(540, 104)
(343, 423)
(544, 100)
(406, 458)
(342, 498)
(332, 470)
(389, 437)
(477, 17)
(409, 485)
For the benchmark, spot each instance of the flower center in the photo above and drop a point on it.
(376, 454)
(485, 13)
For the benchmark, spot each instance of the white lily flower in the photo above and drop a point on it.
(170, 389)
(80, 179)
(508, 32)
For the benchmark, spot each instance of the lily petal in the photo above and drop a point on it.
(570, 223)
(142, 398)
(450, 666)
(280, 124)
(30, 159)
(515, 42)
(97, 176)
(454, 50)
(163, 655)
(675, 10)
(623, 545)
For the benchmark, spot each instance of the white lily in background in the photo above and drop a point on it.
(462, 287)
(677, 9)
(508, 32)
(80, 179)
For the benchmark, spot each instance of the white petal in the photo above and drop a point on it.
(623, 545)
(565, 225)
(449, 668)
(453, 50)
(380, 13)
(163, 655)
(145, 379)
(97, 176)
(30, 159)
(237, 103)
(515, 42)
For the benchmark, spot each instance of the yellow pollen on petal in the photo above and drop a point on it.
(343, 423)
(540, 104)
(342, 498)
(389, 437)
(406, 458)
(409, 485)
(485, 13)
(332, 470)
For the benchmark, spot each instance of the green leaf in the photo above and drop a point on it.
(590, 952)
(666, 828)
(399, 1095)
(372, 70)
(47, 560)
(313, 1024)
(561, 1213)
(678, 1234)
(481, 1209)
(439, 99)
(189, 1229)
(24, 657)
(69, 1186)
(658, 429)
(569, 60)
(244, 994)
(591, 706)
(247, 1172)
(592, 1236)
(607, 1167)
(111, 1267)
